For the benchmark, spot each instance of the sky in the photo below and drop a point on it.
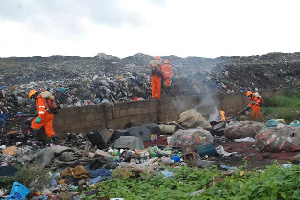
(202, 28)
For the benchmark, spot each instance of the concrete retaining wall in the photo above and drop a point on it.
(121, 115)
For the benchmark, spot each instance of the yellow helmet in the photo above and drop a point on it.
(31, 93)
(248, 93)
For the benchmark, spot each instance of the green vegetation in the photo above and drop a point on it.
(6, 182)
(289, 114)
(283, 107)
(274, 182)
(32, 178)
(282, 101)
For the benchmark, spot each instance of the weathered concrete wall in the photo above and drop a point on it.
(121, 115)
(79, 119)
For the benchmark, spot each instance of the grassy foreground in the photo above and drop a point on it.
(274, 182)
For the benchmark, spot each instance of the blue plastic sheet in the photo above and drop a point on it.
(295, 123)
(272, 123)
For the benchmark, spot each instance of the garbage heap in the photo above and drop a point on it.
(82, 161)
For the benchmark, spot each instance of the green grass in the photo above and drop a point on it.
(282, 101)
(274, 182)
(283, 107)
(288, 113)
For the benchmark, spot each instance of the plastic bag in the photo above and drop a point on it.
(18, 192)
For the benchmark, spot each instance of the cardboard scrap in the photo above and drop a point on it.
(9, 151)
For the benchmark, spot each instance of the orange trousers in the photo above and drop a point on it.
(167, 82)
(47, 122)
(156, 86)
(256, 114)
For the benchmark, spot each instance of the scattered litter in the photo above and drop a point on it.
(220, 150)
(246, 139)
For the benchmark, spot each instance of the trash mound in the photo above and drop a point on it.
(242, 129)
(191, 137)
(280, 139)
(193, 119)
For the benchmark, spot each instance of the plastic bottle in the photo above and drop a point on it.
(116, 152)
(153, 154)
(167, 160)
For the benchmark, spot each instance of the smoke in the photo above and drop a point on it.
(203, 83)
(210, 103)
(215, 116)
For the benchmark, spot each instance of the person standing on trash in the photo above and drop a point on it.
(3, 117)
(45, 117)
(254, 103)
(156, 77)
(167, 72)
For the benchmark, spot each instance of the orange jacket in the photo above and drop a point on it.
(166, 70)
(41, 106)
(254, 102)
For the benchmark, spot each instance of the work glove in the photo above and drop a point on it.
(38, 120)
(253, 102)
(172, 78)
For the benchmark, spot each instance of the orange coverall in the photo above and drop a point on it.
(46, 117)
(166, 70)
(255, 105)
(156, 84)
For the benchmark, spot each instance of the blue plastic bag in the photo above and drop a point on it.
(18, 192)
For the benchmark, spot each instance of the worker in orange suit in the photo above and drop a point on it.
(44, 117)
(156, 77)
(254, 103)
(167, 72)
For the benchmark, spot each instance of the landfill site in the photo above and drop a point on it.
(109, 127)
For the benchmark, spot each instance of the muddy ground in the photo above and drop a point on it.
(255, 159)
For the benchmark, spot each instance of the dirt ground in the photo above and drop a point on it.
(256, 159)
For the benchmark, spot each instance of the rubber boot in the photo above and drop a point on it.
(34, 134)
(55, 140)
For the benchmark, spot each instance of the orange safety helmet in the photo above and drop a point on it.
(31, 93)
(156, 58)
(248, 93)
(166, 61)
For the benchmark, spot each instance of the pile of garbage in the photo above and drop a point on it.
(116, 79)
(82, 161)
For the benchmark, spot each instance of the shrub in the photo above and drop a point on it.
(289, 114)
(282, 101)
(32, 178)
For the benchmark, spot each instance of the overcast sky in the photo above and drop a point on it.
(203, 28)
